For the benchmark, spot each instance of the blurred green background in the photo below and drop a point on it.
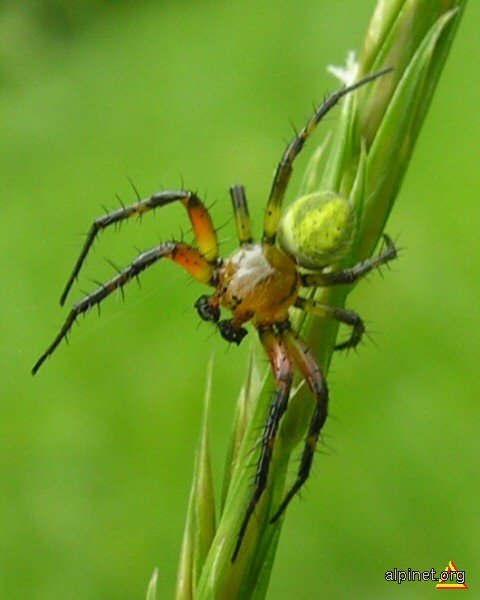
(97, 450)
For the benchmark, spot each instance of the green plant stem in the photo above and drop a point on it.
(368, 155)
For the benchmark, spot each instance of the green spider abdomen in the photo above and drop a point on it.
(317, 230)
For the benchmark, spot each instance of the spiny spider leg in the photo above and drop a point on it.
(185, 256)
(352, 274)
(285, 166)
(343, 315)
(316, 380)
(242, 217)
(283, 372)
(200, 219)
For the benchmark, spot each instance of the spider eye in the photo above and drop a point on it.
(318, 229)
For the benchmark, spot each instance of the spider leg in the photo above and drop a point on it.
(352, 274)
(199, 217)
(282, 368)
(343, 315)
(185, 256)
(285, 166)
(242, 218)
(317, 383)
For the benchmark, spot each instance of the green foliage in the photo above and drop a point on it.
(152, 586)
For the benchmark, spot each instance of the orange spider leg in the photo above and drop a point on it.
(317, 383)
(197, 213)
(188, 258)
(202, 226)
(282, 368)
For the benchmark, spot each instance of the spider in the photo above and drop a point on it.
(258, 282)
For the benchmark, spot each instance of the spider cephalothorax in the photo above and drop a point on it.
(259, 282)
